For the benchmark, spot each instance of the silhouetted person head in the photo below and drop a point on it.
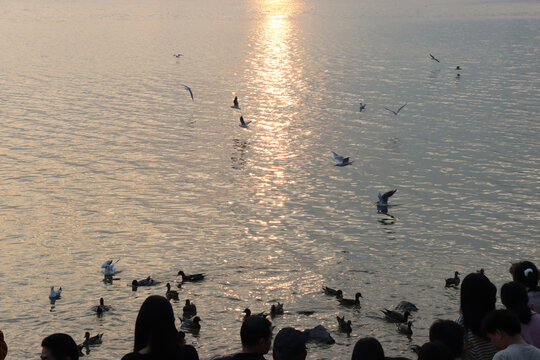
(368, 349)
(449, 333)
(59, 347)
(526, 273)
(501, 327)
(289, 344)
(477, 299)
(515, 298)
(256, 335)
(155, 330)
(435, 350)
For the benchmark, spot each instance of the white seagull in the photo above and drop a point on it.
(342, 161)
(396, 112)
(383, 198)
(110, 267)
(55, 294)
(434, 58)
(362, 107)
(188, 89)
(243, 123)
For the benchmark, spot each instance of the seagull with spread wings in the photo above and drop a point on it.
(188, 89)
(396, 112)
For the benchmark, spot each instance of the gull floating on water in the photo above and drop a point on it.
(55, 294)
(188, 89)
(243, 123)
(383, 198)
(398, 110)
(342, 161)
(362, 107)
(434, 58)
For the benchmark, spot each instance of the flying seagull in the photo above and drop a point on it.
(362, 107)
(188, 89)
(434, 58)
(342, 161)
(177, 55)
(243, 123)
(396, 112)
(383, 198)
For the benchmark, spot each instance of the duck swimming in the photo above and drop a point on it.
(101, 308)
(396, 317)
(189, 309)
(333, 292)
(94, 340)
(55, 294)
(276, 309)
(247, 313)
(171, 294)
(404, 329)
(351, 302)
(191, 325)
(145, 282)
(344, 326)
(190, 278)
(453, 282)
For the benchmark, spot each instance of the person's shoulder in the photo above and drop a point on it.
(189, 352)
(134, 356)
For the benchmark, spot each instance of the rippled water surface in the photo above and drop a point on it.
(104, 155)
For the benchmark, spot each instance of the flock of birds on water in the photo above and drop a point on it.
(190, 322)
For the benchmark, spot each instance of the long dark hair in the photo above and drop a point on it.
(477, 299)
(526, 273)
(515, 298)
(155, 328)
(368, 349)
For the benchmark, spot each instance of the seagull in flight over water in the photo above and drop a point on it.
(243, 123)
(396, 112)
(188, 89)
(342, 161)
(362, 107)
(383, 198)
(177, 55)
(434, 58)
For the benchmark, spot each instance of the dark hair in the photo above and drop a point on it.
(154, 327)
(61, 346)
(477, 299)
(368, 349)
(435, 350)
(253, 329)
(514, 297)
(526, 273)
(450, 334)
(504, 320)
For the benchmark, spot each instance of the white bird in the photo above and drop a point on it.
(362, 107)
(434, 58)
(243, 123)
(110, 267)
(383, 198)
(396, 112)
(177, 55)
(188, 89)
(342, 161)
(55, 294)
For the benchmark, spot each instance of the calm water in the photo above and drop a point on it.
(104, 155)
